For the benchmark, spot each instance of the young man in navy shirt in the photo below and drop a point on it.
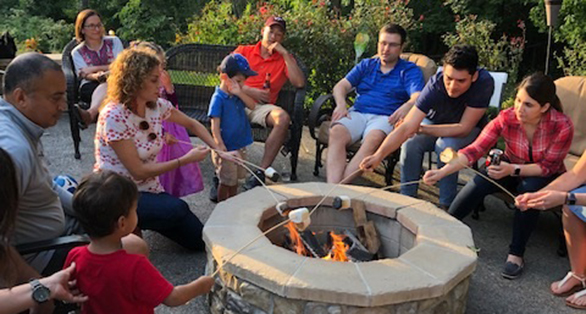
(387, 88)
(448, 113)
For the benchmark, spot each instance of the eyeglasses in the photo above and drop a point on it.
(93, 26)
(143, 125)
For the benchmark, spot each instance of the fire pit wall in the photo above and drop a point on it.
(425, 266)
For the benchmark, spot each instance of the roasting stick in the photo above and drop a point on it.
(244, 161)
(388, 187)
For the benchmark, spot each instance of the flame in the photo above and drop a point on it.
(337, 252)
(339, 248)
(298, 245)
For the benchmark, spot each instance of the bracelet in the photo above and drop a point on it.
(178, 163)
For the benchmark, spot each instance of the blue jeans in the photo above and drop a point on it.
(412, 152)
(472, 195)
(171, 217)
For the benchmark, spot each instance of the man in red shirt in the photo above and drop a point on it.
(269, 56)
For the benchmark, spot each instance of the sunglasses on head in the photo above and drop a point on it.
(143, 125)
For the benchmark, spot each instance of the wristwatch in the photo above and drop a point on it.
(517, 171)
(40, 292)
(571, 199)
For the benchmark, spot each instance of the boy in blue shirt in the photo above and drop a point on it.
(230, 126)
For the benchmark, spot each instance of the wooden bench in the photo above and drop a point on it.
(193, 70)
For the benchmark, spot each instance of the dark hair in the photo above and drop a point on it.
(395, 29)
(462, 57)
(8, 208)
(100, 199)
(80, 23)
(25, 69)
(541, 88)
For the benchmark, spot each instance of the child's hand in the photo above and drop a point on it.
(197, 153)
(170, 139)
(233, 87)
(233, 156)
(166, 82)
(206, 283)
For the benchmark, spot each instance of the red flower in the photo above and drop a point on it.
(421, 18)
(263, 10)
(322, 3)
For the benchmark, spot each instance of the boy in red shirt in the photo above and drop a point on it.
(115, 281)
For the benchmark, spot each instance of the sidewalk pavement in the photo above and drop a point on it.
(489, 292)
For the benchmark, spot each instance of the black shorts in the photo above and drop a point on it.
(86, 90)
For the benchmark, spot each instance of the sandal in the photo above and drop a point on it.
(573, 289)
(577, 295)
(79, 114)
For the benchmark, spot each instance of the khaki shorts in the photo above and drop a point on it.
(260, 113)
(229, 172)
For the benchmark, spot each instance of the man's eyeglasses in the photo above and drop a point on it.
(93, 26)
(145, 126)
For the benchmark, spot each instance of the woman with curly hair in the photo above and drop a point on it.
(91, 58)
(129, 136)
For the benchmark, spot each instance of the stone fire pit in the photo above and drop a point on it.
(425, 266)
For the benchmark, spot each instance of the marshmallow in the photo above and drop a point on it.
(448, 156)
(342, 202)
(282, 207)
(300, 217)
(272, 174)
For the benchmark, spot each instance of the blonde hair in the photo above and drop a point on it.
(128, 72)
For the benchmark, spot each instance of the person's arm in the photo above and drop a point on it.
(128, 155)
(19, 298)
(217, 134)
(194, 126)
(295, 74)
(432, 176)
(183, 293)
(395, 139)
(341, 90)
(468, 121)
(402, 111)
(234, 89)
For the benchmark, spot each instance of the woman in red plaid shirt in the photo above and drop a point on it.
(537, 137)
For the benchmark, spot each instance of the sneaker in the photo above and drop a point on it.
(214, 189)
(253, 182)
(512, 270)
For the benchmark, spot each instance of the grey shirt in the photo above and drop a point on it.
(40, 215)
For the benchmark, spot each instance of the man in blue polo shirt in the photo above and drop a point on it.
(448, 113)
(387, 88)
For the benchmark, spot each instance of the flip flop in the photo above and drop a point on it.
(577, 295)
(572, 290)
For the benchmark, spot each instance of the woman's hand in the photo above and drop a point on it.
(500, 171)
(431, 177)
(63, 289)
(541, 200)
(197, 153)
(170, 139)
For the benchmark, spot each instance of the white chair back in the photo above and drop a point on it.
(500, 79)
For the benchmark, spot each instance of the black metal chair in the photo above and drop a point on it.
(193, 69)
(72, 94)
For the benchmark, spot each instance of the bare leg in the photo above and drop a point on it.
(370, 144)
(279, 120)
(225, 192)
(575, 232)
(336, 158)
(98, 96)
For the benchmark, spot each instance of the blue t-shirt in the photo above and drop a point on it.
(234, 125)
(443, 109)
(380, 93)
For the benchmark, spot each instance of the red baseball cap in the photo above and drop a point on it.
(276, 20)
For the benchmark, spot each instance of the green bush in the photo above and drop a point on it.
(317, 34)
(50, 35)
(501, 55)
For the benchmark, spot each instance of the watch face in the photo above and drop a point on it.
(41, 294)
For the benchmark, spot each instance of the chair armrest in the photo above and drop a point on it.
(52, 244)
(315, 114)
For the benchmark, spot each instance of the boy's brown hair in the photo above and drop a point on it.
(100, 199)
